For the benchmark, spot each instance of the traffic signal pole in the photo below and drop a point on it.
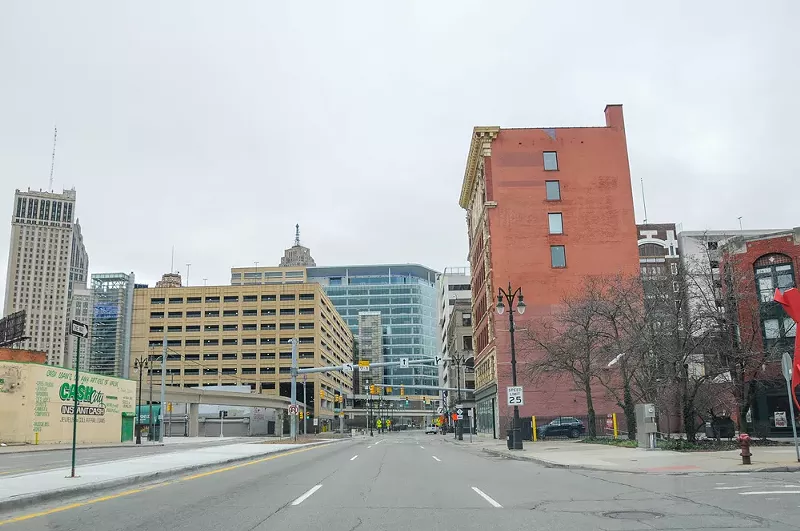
(294, 371)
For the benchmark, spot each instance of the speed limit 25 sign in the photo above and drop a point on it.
(514, 396)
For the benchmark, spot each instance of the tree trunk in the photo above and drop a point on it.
(688, 420)
(629, 410)
(592, 427)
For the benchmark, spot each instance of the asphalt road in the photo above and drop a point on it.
(413, 481)
(24, 462)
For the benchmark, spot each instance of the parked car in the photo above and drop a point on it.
(431, 428)
(562, 427)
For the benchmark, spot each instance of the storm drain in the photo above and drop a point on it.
(633, 515)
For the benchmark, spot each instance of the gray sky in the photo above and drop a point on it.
(216, 126)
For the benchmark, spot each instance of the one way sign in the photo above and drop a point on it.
(79, 329)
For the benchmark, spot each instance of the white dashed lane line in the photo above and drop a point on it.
(487, 498)
(305, 496)
(353, 458)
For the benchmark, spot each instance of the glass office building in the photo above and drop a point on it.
(405, 295)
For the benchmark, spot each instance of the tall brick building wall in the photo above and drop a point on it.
(508, 200)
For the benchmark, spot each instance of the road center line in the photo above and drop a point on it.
(436, 458)
(353, 458)
(734, 488)
(487, 498)
(765, 492)
(308, 493)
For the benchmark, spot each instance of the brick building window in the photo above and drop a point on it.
(550, 159)
(555, 223)
(553, 190)
(558, 256)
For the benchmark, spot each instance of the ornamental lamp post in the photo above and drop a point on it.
(509, 297)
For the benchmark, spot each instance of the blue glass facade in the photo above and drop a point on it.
(405, 295)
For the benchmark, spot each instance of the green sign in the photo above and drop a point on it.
(86, 393)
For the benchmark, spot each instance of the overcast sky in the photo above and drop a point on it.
(216, 126)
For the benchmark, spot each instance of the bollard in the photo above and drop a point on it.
(744, 441)
(36, 437)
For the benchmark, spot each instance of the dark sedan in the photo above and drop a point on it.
(562, 427)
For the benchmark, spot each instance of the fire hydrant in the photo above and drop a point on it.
(744, 441)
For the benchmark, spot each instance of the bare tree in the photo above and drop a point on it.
(574, 342)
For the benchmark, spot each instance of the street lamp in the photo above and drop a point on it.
(139, 365)
(458, 361)
(509, 297)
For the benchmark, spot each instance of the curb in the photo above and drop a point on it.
(33, 450)
(68, 493)
(550, 464)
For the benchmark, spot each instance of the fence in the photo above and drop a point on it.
(566, 426)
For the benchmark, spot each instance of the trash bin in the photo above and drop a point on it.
(510, 439)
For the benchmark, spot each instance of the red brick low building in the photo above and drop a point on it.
(754, 267)
(546, 207)
(23, 355)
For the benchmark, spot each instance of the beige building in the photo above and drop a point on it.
(41, 266)
(37, 404)
(240, 335)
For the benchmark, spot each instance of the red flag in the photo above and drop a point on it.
(790, 300)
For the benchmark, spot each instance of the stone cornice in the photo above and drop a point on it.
(481, 146)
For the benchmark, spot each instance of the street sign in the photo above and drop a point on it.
(780, 419)
(79, 329)
(223, 414)
(363, 366)
(348, 367)
(440, 410)
(439, 360)
(469, 412)
(293, 409)
(316, 422)
(459, 414)
(786, 363)
(514, 396)
(404, 363)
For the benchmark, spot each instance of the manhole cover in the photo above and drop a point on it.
(633, 515)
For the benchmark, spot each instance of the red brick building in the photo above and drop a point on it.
(546, 207)
(754, 266)
(23, 355)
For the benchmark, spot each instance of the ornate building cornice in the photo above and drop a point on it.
(481, 146)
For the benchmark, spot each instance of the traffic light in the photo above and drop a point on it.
(301, 415)
(388, 390)
(406, 402)
(372, 389)
(322, 393)
(403, 391)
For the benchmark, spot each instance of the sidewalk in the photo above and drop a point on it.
(23, 448)
(37, 487)
(582, 456)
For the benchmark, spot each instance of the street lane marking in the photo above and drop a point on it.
(422, 447)
(734, 488)
(353, 458)
(765, 492)
(308, 493)
(436, 458)
(380, 441)
(370, 446)
(143, 489)
(487, 498)
(75, 505)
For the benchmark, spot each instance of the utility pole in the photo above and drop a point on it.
(305, 409)
(293, 418)
(150, 407)
(163, 388)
